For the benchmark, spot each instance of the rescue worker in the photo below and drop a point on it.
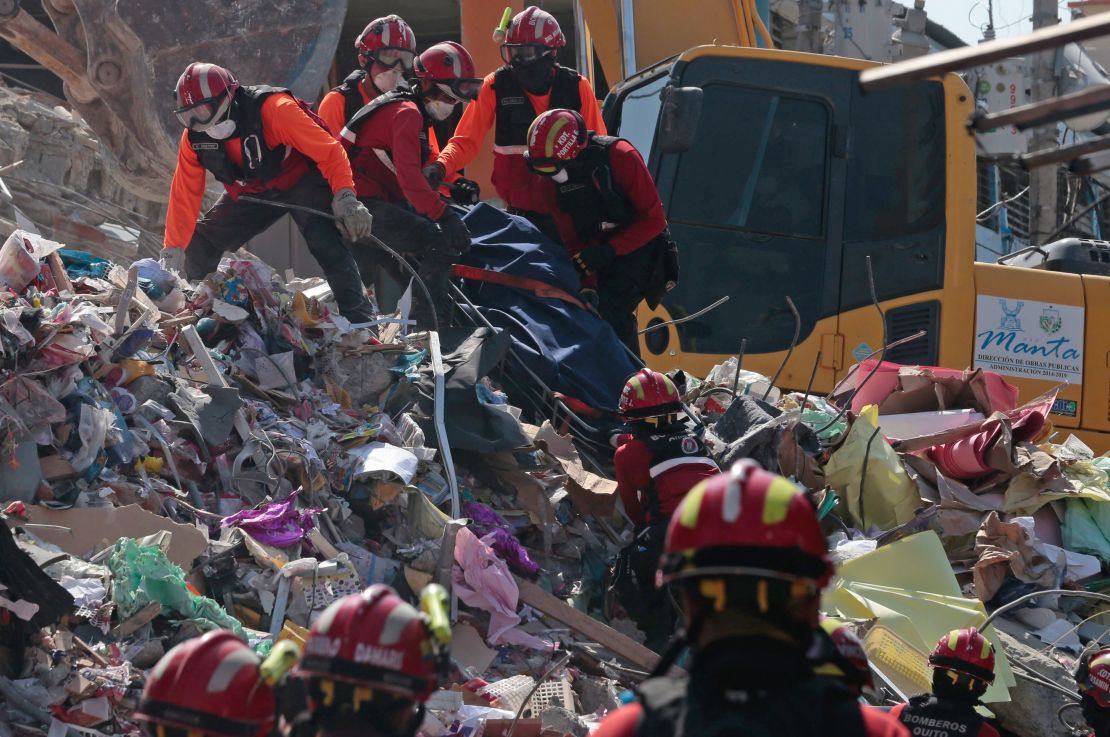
(608, 213)
(529, 83)
(963, 668)
(1093, 679)
(371, 661)
(838, 654)
(263, 142)
(387, 141)
(209, 686)
(656, 463)
(386, 51)
(747, 554)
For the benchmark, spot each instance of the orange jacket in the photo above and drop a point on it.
(509, 167)
(284, 124)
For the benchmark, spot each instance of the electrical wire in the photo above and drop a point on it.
(981, 216)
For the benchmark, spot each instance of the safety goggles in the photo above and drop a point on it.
(391, 58)
(200, 115)
(524, 53)
(460, 90)
(545, 167)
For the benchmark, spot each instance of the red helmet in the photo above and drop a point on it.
(746, 522)
(848, 661)
(451, 68)
(204, 94)
(648, 393)
(373, 639)
(532, 34)
(965, 651)
(1093, 677)
(389, 41)
(556, 137)
(210, 684)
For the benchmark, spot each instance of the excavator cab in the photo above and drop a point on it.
(793, 180)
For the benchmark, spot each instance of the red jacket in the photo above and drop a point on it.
(634, 463)
(631, 176)
(623, 722)
(393, 135)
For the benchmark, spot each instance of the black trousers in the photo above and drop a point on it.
(657, 618)
(231, 223)
(421, 242)
(621, 286)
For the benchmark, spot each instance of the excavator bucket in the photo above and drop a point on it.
(120, 59)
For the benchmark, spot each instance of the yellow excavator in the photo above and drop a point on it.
(838, 220)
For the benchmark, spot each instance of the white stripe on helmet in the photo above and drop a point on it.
(205, 86)
(232, 663)
(396, 622)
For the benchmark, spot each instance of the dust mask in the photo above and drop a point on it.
(560, 177)
(389, 80)
(222, 130)
(438, 109)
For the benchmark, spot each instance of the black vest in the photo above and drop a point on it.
(668, 451)
(926, 716)
(514, 110)
(811, 708)
(259, 162)
(359, 119)
(595, 203)
(352, 95)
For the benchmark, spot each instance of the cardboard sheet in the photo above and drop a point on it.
(79, 531)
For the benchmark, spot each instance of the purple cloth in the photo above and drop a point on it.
(279, 524)
(495, 533)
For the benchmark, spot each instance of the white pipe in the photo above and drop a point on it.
(628, 37)
(441, 429)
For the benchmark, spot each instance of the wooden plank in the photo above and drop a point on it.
(1091, 100)
(58, 271)
(933, 65)
(1064, 153)
(603, 634)
(136, 621)
(125, 298)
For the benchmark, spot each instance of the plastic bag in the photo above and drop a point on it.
(144, 574)
(889, 496)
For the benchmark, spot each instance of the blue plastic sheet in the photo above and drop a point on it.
(570, 349)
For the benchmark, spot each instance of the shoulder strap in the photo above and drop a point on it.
(565, 90)
(367, 111)
(352, 95)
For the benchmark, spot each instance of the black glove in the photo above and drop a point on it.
(455, 233)
(434, 173)
(465, 191)
(594, 258)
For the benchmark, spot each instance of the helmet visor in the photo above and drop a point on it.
(523, 53)
(393, 57)
(545, 167)
(202, 114)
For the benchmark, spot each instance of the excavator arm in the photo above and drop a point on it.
(119, 61)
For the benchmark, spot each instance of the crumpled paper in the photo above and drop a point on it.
(889, 496)
(1007, 548)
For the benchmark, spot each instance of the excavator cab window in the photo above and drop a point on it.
(639, 113)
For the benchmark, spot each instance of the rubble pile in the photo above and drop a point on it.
(54, 177)
(234, 454)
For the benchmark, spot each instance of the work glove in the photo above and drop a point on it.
(434, 173)
(591, 260)
(351, 217)
(174, 258)
(455, 233)
(465, 192)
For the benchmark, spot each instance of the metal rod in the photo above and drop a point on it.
(1064, 153)
(1022, 599)
(932, 65)
(441, 428)
(739, 363)
(1091, 100)
(1076, 217)
(793, 344)
(688, 318)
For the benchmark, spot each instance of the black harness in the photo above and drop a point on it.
(260, 163)
(359, 119)
(352, 95)
(926, 716)
(514, 110)
(806, 709)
